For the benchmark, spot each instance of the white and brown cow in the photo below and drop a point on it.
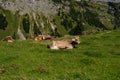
(8, 39)
(64, 44)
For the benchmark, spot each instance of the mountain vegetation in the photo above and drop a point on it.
(58, 18)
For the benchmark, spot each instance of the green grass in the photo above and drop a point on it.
(96, 58)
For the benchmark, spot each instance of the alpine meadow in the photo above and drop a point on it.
(96, 58)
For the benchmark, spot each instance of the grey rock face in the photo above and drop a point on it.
(24, 6)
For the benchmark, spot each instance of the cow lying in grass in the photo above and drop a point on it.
(64, 44)
(8, 39)
(41, 37)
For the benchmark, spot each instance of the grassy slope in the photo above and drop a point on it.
(96, 58)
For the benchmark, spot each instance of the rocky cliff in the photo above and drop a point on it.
(53, 17)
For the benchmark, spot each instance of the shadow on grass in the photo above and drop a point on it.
(62, 51)
(85, 43)
(2, 69)
(73, 76)
(40, 70)
(115, 52)
(8, 59)
(87, 61)
(94, 54)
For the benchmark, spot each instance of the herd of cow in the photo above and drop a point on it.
(54, 44)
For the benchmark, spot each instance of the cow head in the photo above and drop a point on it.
(75, 40)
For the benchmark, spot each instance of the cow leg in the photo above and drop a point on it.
(54, 47)
(69, 46)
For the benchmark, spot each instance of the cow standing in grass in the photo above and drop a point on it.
(64, 44)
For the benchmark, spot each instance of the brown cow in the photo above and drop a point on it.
(39, 37)
(64, 44)
(30, 38)
(48, 37)
(8, 39)
(43, 37)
